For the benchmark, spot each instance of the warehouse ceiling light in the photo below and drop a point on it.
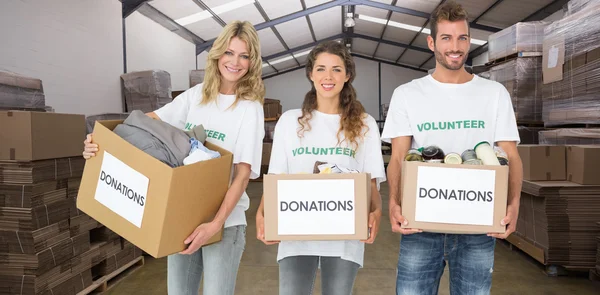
(287, 58)
(196, 17)
(407, 27)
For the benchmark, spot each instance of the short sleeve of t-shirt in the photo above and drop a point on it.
(396, 122)
(175, 112)
(506, 124)
(248, 146)
(373, 161)
(278, 163)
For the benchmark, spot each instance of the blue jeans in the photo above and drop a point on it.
(297, 275)
(423, 257)
(219, 262)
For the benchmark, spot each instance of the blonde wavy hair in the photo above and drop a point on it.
(250, 86)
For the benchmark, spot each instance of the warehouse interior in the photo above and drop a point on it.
(66, 64)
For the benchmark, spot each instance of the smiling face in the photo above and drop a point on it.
(328, 75)
(234, 63)
(452, 43)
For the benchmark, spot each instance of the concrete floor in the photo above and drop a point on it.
(514, 273)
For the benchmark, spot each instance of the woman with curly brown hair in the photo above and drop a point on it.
(333, 123)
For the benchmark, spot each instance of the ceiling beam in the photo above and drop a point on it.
(302, 47)
(214, 15)
(387, 20)
(384, 41)
(130, 6)
(393, 8)
(275, 31)
(388, 62)
(487, 10)
(546, 11)
(283, 72)
(310, 26)
(165, 21)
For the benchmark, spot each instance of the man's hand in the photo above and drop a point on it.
(260, 228)
(200, 236)
(396, 219)
(512, 215)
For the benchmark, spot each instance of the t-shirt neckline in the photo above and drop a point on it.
(452, 85)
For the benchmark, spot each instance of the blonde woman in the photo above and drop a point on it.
(228, 103)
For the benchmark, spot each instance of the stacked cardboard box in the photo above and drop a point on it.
(147, 90)
(91, 120)
(196, 77)
(272, 108)
(522, 77)
(598, 250)
(47, 246)
(20, 92)
(560, 217)
(572, 67)
(570, 136)
(520, 37)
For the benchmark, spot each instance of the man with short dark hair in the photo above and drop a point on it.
(450, 94)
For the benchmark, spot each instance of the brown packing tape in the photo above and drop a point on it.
(10, 114)
(548, 175)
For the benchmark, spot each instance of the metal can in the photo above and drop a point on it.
(469, 155)
(473, 162)
(432, 153)
(413, 157)
(503, 161)
(435, 161)
(453, 158)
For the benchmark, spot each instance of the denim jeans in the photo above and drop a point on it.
(423, 257)
(297, 275)
(219, 262)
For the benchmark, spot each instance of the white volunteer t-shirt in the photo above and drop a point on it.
(239, 130)
(454, 117)
(289, 156)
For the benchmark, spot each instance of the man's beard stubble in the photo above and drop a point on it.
(441, 58)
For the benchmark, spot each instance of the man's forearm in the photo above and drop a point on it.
(515, 180)
(394, 171)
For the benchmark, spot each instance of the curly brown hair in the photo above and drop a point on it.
(351, 110)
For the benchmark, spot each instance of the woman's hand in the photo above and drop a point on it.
(374, 221)
(260, 228)
(200, 236)
(90, 148)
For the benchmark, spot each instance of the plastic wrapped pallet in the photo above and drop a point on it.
(196, 77)
(571, 136)
(522, 77)
(520, 37)
(574, 98)
(21, 92)
(147, 90)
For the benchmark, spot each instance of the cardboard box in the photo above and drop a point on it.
(30, 136)
(582, 164)
(543, 162)
(266, 153)
(163, 205)
(434, 198)
(317, 206)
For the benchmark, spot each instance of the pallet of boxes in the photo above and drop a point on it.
(273, 110)
(559, 201)
(516, 63)
(46, 245)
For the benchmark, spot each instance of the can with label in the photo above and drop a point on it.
(469, 155)
(413, 155)
(473, 162)
(432, 153)
(503, 161)
(435, 161)
(453, 158)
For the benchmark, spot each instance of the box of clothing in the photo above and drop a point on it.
(454, 198)
(323, 206)
(152, 183)
(39, 136)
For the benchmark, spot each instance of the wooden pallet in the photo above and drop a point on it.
(106, 282)
(594, 276)
(513, 56)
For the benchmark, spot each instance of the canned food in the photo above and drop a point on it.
(432, 153)
(469, 155)
(453, 158)
(435, 161)
(486, 153)
(473, 162)
(503, 161)
(413, 157)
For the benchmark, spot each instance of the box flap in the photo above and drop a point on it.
(15, 135)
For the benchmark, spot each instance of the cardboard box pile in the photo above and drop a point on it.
(522, 77)
(571, 67)
(570, 136)
(272, 108)
(520, 37)
(196, 77)
(91, 120)
(598, 251)
(560, 218)
(20, 92)
(560, 204)
(146, 90)
(43, 237)
(529, 135)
